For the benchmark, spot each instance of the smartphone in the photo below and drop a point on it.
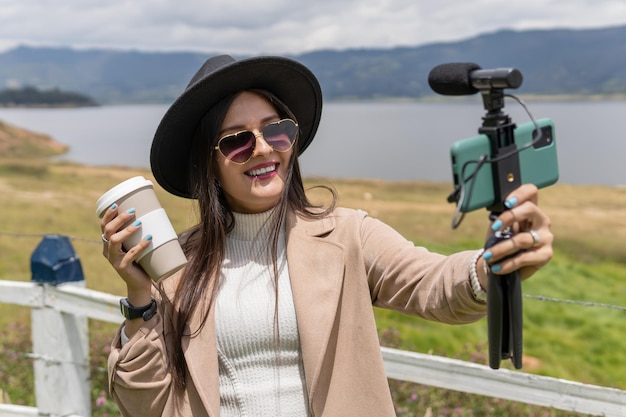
(538, 164)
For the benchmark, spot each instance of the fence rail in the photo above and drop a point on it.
(58, 305)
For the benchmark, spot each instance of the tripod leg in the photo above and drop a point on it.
(514, 297)
(506, 317)
(495, 316)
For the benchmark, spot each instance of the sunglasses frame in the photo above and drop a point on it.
(256, 136)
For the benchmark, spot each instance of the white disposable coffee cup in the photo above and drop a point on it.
(164, 256)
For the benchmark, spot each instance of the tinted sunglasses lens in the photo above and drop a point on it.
(239, 147)
(280, 135)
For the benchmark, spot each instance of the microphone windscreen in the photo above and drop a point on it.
(452, 79)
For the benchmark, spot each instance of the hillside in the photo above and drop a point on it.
(553, 62)
(16, 142)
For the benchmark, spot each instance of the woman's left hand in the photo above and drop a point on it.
(531, 243)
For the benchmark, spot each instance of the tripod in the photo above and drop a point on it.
(504, 295)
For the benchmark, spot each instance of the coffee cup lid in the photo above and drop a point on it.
(119, 191)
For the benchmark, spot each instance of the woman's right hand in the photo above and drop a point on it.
(114, 233)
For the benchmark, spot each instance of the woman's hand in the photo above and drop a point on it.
(531, 241)
(114, 232)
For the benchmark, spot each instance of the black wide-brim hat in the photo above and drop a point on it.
(220, 76)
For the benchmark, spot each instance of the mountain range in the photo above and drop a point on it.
(552, 62)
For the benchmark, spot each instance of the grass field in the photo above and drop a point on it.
(580, 340)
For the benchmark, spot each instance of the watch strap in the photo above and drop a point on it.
(131, 312)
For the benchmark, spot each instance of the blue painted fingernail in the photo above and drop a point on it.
(496, 225)
(148, 238)
(487, 255)
(496, 268)
(130, 211)
(113, 207)
(137, 223)
(511, 202)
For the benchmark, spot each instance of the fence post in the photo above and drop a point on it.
(60, 340)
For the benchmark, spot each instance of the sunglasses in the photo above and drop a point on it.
(239, 147)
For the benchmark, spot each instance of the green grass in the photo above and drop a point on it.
(583, 343)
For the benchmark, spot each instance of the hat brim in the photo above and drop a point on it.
(290, 81)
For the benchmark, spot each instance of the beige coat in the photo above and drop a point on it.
(339, 267)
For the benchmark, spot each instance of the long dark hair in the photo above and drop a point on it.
(205, 243)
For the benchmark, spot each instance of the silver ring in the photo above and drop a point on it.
(104, 239)
(535, 236)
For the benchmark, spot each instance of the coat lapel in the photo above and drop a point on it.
(316, 269)
(201, 351)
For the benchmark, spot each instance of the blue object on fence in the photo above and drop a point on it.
(54, 261)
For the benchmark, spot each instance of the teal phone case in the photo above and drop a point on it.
(538, 163)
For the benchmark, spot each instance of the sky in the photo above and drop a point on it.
(283, 26)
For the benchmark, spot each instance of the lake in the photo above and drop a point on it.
(377, 140)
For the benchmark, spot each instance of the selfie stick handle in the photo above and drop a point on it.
(504, 295)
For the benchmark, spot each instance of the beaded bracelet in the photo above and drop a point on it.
(477, 290)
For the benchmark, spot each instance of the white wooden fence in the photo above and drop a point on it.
(60, 352)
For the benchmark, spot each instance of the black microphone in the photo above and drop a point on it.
(459, 79)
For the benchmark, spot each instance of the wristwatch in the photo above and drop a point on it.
(131, 312)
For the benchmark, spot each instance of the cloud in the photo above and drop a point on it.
(283, 26)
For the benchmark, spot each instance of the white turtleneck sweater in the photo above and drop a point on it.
(258, 376)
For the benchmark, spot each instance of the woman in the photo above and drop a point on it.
(273, 313)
